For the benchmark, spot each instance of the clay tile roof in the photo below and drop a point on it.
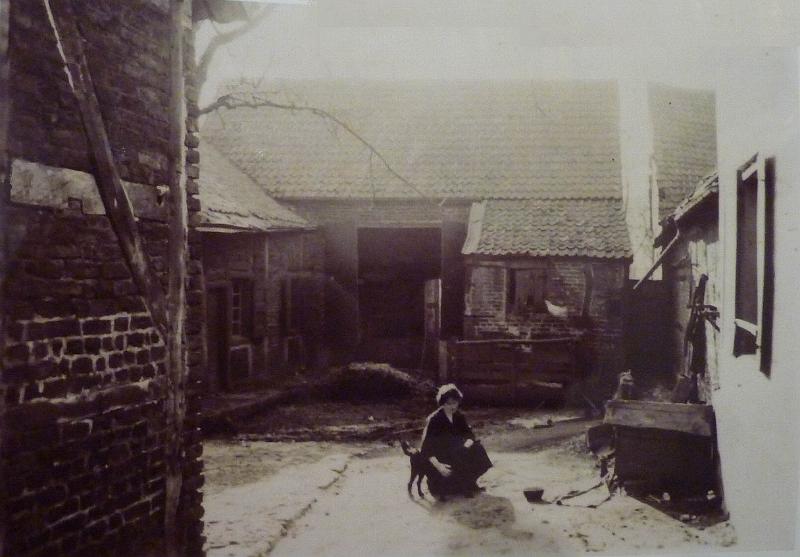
(694, 208)
(229, 199)
(548, 227)
(462, 140)
(684, 141)
(705, 190)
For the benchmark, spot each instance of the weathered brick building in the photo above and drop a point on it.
(523, 254)
(263, 266)
(549, 268)
(85, 438)
(389, 232)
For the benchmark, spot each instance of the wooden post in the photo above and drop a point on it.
(4, 196)
(115, 200)
(178, 246)
(588, 291)
(444, 355)
(516, 363)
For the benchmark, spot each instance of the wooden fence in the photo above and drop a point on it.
(517, 362)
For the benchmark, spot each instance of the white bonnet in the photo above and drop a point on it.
(445, 389)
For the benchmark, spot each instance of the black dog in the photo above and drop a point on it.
(420, 467)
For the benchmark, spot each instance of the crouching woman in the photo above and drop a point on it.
(448, 443)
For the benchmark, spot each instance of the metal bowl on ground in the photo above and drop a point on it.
(533, 494)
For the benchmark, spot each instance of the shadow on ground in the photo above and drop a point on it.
(481, 512)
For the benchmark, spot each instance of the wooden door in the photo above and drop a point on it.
(217, 332)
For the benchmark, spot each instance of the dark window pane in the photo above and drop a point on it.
(527, 289)
(524, 290)
(242, 308)
(746, 251)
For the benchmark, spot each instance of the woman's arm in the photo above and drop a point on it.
(432, 444)
(431, 436)
(461, 423)
(443, 469)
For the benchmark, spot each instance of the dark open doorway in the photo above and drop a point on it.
(393, 265)
(217, 333)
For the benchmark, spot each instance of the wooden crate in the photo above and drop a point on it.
(696, 419)
(660, 460)
(664, 446)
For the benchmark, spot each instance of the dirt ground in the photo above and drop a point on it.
(344, 493)
(337, 421)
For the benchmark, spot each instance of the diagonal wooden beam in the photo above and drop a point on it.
(115, 200)
(5, 102)
(178, 247)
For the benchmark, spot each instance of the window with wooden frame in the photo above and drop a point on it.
(755, 237)
(242, 307)
(525, 290)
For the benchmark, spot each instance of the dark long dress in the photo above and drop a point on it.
(445, 440)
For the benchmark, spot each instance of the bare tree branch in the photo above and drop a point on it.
(254, 100)
(221, 39)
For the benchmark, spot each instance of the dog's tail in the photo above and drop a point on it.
(407, 449)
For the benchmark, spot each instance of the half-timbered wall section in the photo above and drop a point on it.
(84, 366)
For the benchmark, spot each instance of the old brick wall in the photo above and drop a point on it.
(127, 46)
(191, 504)
(269, 261)
(487, 314)
(4, 169)
(84, 368)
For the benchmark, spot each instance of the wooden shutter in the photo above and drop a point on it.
(746, 303)
(768, 295)
(755, 259)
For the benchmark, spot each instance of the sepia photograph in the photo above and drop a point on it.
(412, 278)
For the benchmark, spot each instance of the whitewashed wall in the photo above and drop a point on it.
(638, 191)
(758, 418)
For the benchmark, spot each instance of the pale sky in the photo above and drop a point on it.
(678, 42)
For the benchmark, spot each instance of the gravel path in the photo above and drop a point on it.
(349, 499)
